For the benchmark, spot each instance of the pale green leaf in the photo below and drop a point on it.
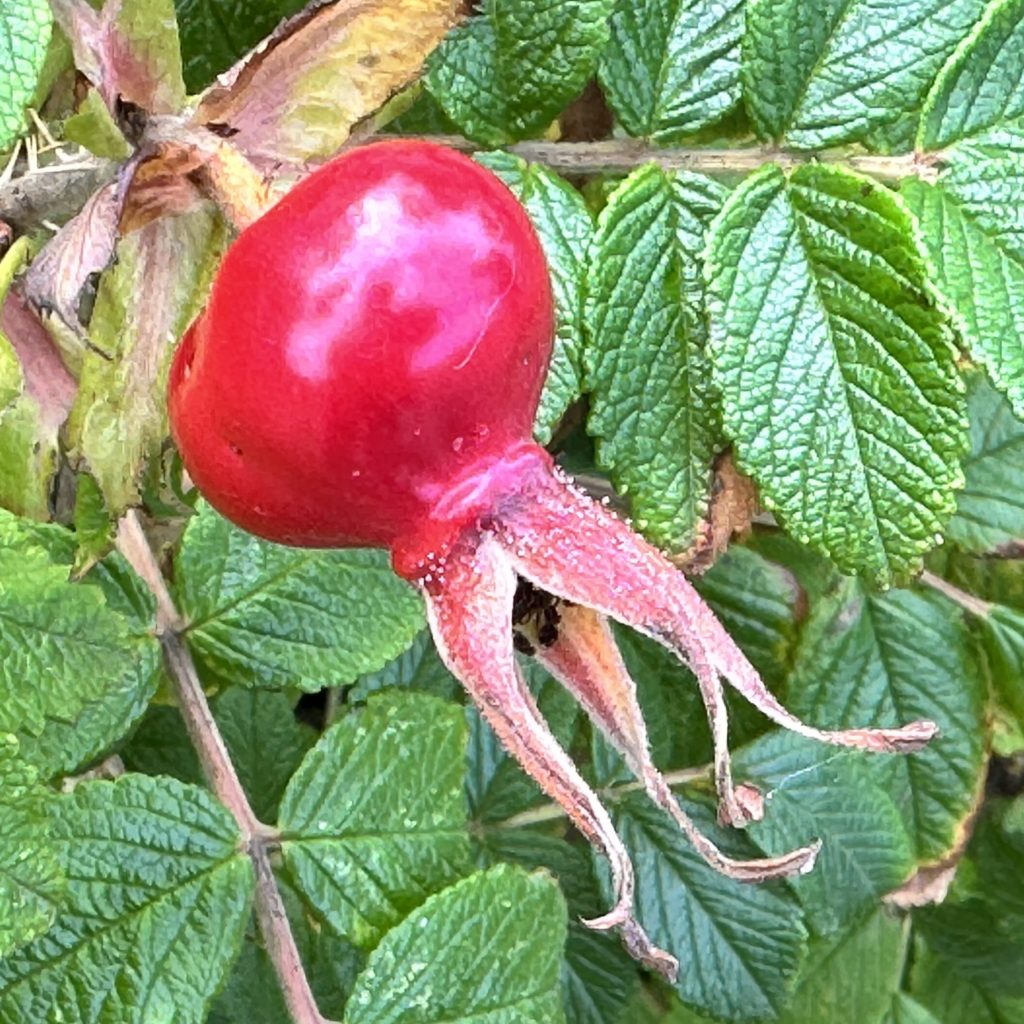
(814, 792)
(485, 950)
(267, 615)
(157, 900)
(506, 75)
(144, 304)
(672, 66)
(851, 978)
(31, 872)
(827, 72)
(888, 659)
(836, 365)
(75, 673)
(907, 1011)
(24, 36)
(740, 944)
(565, 227)
(655, 422)
(374, 820)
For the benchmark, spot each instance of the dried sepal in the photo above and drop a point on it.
(469, 606)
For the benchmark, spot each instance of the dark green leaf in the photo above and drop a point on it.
(825, 72)
(374, 820)
(507, 74)
(565, 227)
(990, 509)
(419, 667)
(673, 66)
(813, 792)
(836, 366)
(487, 949)
(267, 615)
(888, 659)
(740, 944)
(158, 896)
(31, 872)
(656, 424)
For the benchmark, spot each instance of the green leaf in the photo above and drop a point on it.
(565, 227)
(655, 422)
(851, 978)
(374, 820)
(981, 85)
(265, 741)
(157, 900)
(836, 366)
(836, 71)
(990, 509)
(144, 304)
(216, 33)
(506, 75)
(487, 949)
(94, 127)
(906, 1011)
(1002, 632)
(419, 667)
(24, 36)
(267, 615)
(888, 659)
(740, 944)
(813, 792)
(75, 673)
(31, 873)
(672, 67)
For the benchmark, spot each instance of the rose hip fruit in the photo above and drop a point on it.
(367, 373)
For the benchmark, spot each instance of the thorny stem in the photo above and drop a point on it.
(553, 811)
(221, 775)
(971, 604)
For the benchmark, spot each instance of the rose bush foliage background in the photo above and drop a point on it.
(787, 245)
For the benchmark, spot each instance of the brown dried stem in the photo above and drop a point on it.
(221, 775)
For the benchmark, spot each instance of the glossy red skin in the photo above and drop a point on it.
(369, 365)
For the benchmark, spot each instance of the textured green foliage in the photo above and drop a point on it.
(889, 659)
(971, 219)
(267, 615)
(31, 873)
(216, 33)
(673, 66)
(826, 72)
(505, 76)
(990, 509)
(374, 819)
(565, 227)
(655, 422)
(743, 943)
(75, 673)
(157, 899)
(817, 793)
(501, 933)
(24, 36)
(419, 667)
(836, 366)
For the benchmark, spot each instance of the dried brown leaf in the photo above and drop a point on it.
(84, 246)
(296, 98)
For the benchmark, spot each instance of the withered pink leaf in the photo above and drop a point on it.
(128, 49)
(297, 96)
(84, 246)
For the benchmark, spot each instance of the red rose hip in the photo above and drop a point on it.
(367, 372)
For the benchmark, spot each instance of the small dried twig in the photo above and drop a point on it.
(221, 775)
(970, 604)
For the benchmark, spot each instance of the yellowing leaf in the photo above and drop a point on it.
(297, 96)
